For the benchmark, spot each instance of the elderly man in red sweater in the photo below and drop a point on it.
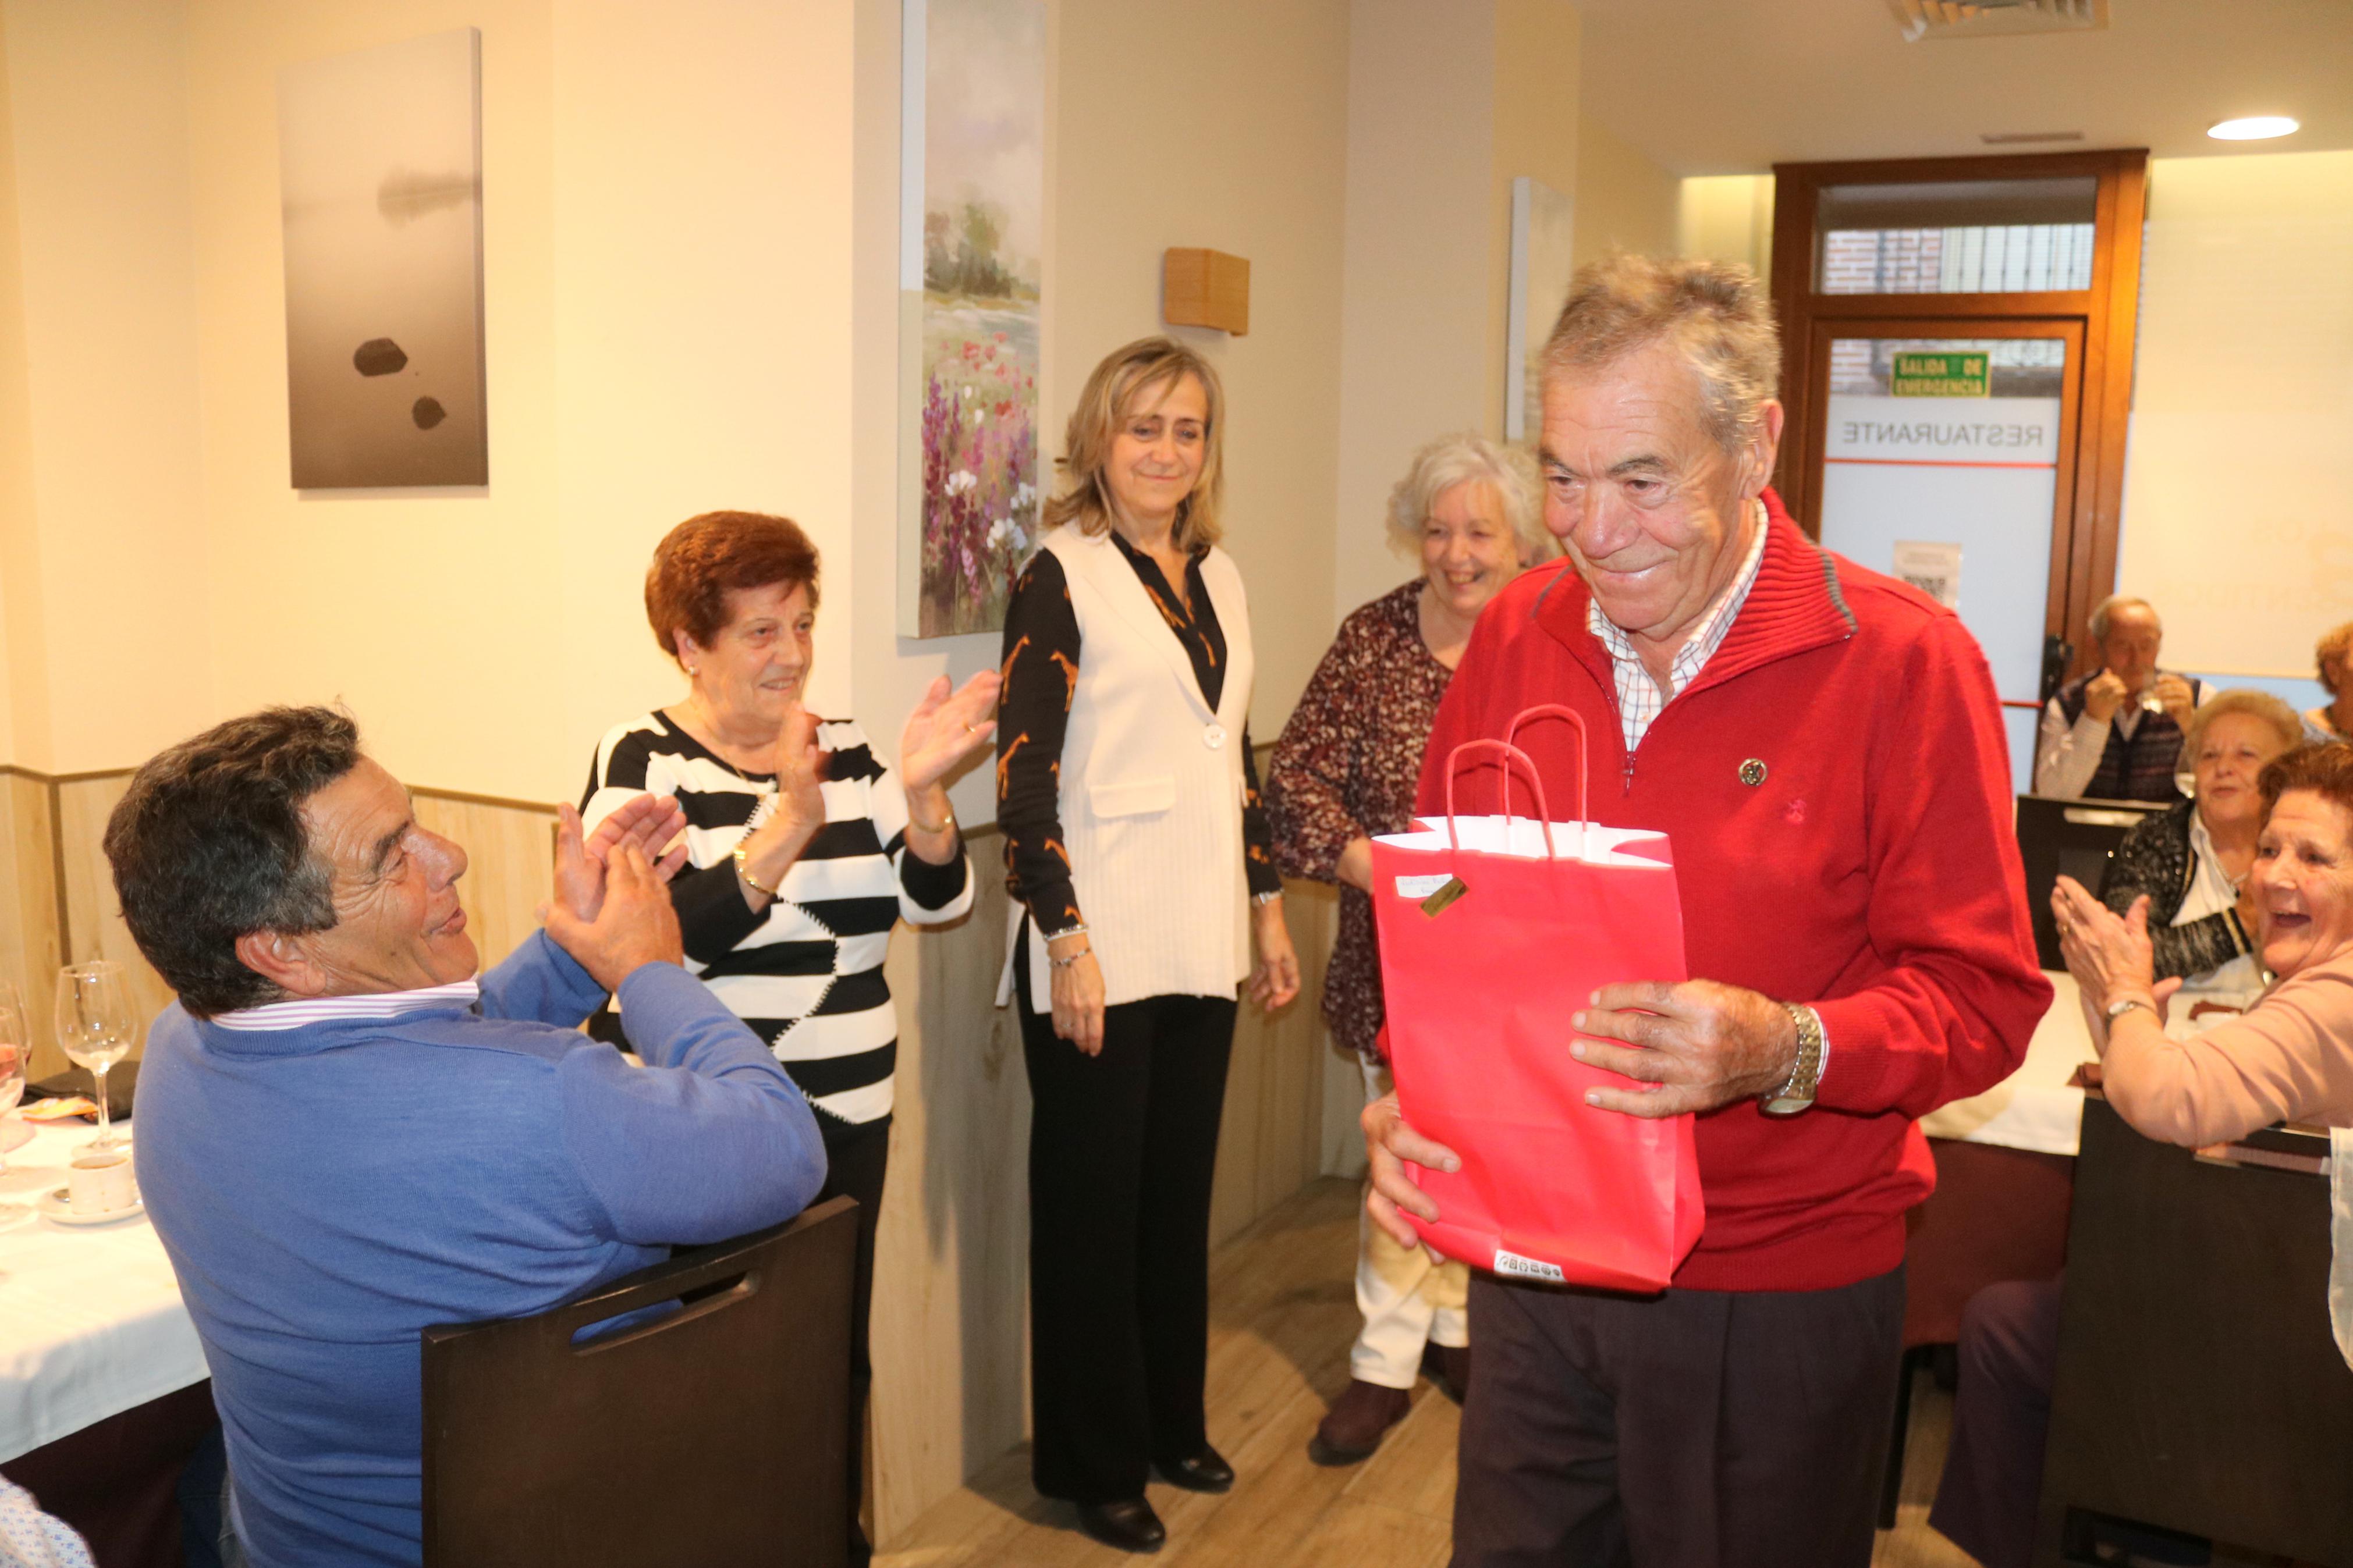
(1823, 748)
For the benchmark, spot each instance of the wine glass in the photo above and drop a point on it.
(15, 1047)
(95, 1026)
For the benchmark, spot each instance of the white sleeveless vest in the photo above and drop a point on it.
(1151, 797)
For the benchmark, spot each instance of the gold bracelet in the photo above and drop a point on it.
(920, 824)
(744, 874)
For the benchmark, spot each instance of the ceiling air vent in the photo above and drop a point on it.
(1985, 19)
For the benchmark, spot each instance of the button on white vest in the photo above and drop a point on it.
(1151, 795)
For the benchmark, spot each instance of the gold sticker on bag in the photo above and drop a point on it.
(1439, 903)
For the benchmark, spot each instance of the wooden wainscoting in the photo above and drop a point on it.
(31, 925)
(510, 849)
(93, 916)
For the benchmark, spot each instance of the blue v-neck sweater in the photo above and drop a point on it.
(327, 1192)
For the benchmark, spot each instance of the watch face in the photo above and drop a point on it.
(1785, 1105)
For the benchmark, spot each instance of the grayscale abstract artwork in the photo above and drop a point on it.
(380, 183)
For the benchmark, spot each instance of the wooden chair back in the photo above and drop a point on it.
(714, 1433)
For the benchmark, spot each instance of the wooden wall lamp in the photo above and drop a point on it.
(1206, 289)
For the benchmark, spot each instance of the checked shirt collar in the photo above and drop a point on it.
(1640, 701)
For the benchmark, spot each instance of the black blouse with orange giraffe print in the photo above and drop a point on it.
(1033, 715)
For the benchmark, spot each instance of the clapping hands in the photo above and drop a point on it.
(947, 727)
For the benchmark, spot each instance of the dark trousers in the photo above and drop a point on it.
(1693, 1429)
(1992, 1484)
(856, 1154)
(1123, 1147)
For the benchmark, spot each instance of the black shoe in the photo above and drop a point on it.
(1128, 1525)
(1205, 1471)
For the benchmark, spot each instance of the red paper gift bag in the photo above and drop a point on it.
(1494, 931)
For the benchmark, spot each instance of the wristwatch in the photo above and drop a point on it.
(2124, 1004)
(1798, 1091)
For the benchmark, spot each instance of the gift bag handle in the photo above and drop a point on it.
(1584, 763)
(1488, 742)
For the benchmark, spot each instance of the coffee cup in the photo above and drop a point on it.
(100, 1182)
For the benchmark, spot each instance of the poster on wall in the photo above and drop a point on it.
(972, 223)
(1542, 264)
(380, 187)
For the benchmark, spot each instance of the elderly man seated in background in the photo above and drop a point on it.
(2115, 734)
(344, 1136)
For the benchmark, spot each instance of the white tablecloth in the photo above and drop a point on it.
(90, 1320)
(2033, 1108)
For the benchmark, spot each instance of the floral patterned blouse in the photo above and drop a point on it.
(1033, 714)
(1346, 767)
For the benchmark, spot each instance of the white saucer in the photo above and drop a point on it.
(57, 1205)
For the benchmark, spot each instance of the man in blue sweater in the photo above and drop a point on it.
(343, 1136)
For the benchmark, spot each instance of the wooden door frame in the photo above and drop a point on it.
(2108, 311)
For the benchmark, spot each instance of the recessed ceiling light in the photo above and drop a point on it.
(2254, 127)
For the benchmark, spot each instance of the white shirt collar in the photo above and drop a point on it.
(1714, 624)
(304, 1011)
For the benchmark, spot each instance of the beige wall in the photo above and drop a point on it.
(1446, 106)
(1624, 201)
(1234, 139)
(1539, 131)
(2238, 510)
(1420, 249)
(99, 103)
(24, 682)
(1727, 217)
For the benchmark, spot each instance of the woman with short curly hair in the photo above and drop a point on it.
(805, 847)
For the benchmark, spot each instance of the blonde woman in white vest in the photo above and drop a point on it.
(1142, 873)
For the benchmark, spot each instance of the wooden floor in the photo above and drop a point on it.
(1282, 1315)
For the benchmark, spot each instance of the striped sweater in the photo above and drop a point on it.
(806, 972)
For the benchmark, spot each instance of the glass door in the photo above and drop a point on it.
(1944, 454)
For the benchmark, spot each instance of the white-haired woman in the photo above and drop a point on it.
(2191, 861)
(1345, 770)
(1140, 878)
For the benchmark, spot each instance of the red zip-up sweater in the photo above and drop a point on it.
(1872, 872)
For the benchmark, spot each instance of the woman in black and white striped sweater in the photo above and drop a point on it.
(804, 847)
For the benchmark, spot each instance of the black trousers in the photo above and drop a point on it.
(1992, 1484)
(1693, 1429)
(857, 1155)
(1123, 1148)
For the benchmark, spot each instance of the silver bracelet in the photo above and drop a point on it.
(1259, 900)
(1077, 927)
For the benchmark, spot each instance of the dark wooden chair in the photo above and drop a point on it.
(715, 1433)
(2199, 1391)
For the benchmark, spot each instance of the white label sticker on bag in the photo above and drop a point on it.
(1527, 1268)
(1421, 887)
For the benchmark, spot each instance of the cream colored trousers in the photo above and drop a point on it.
(1409, 1296)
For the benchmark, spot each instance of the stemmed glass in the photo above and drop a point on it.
(96, 1028)
(15, 1045)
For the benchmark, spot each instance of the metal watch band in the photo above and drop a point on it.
(1796, 1093)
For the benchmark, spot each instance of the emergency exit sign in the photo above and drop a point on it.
(1940, 375)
